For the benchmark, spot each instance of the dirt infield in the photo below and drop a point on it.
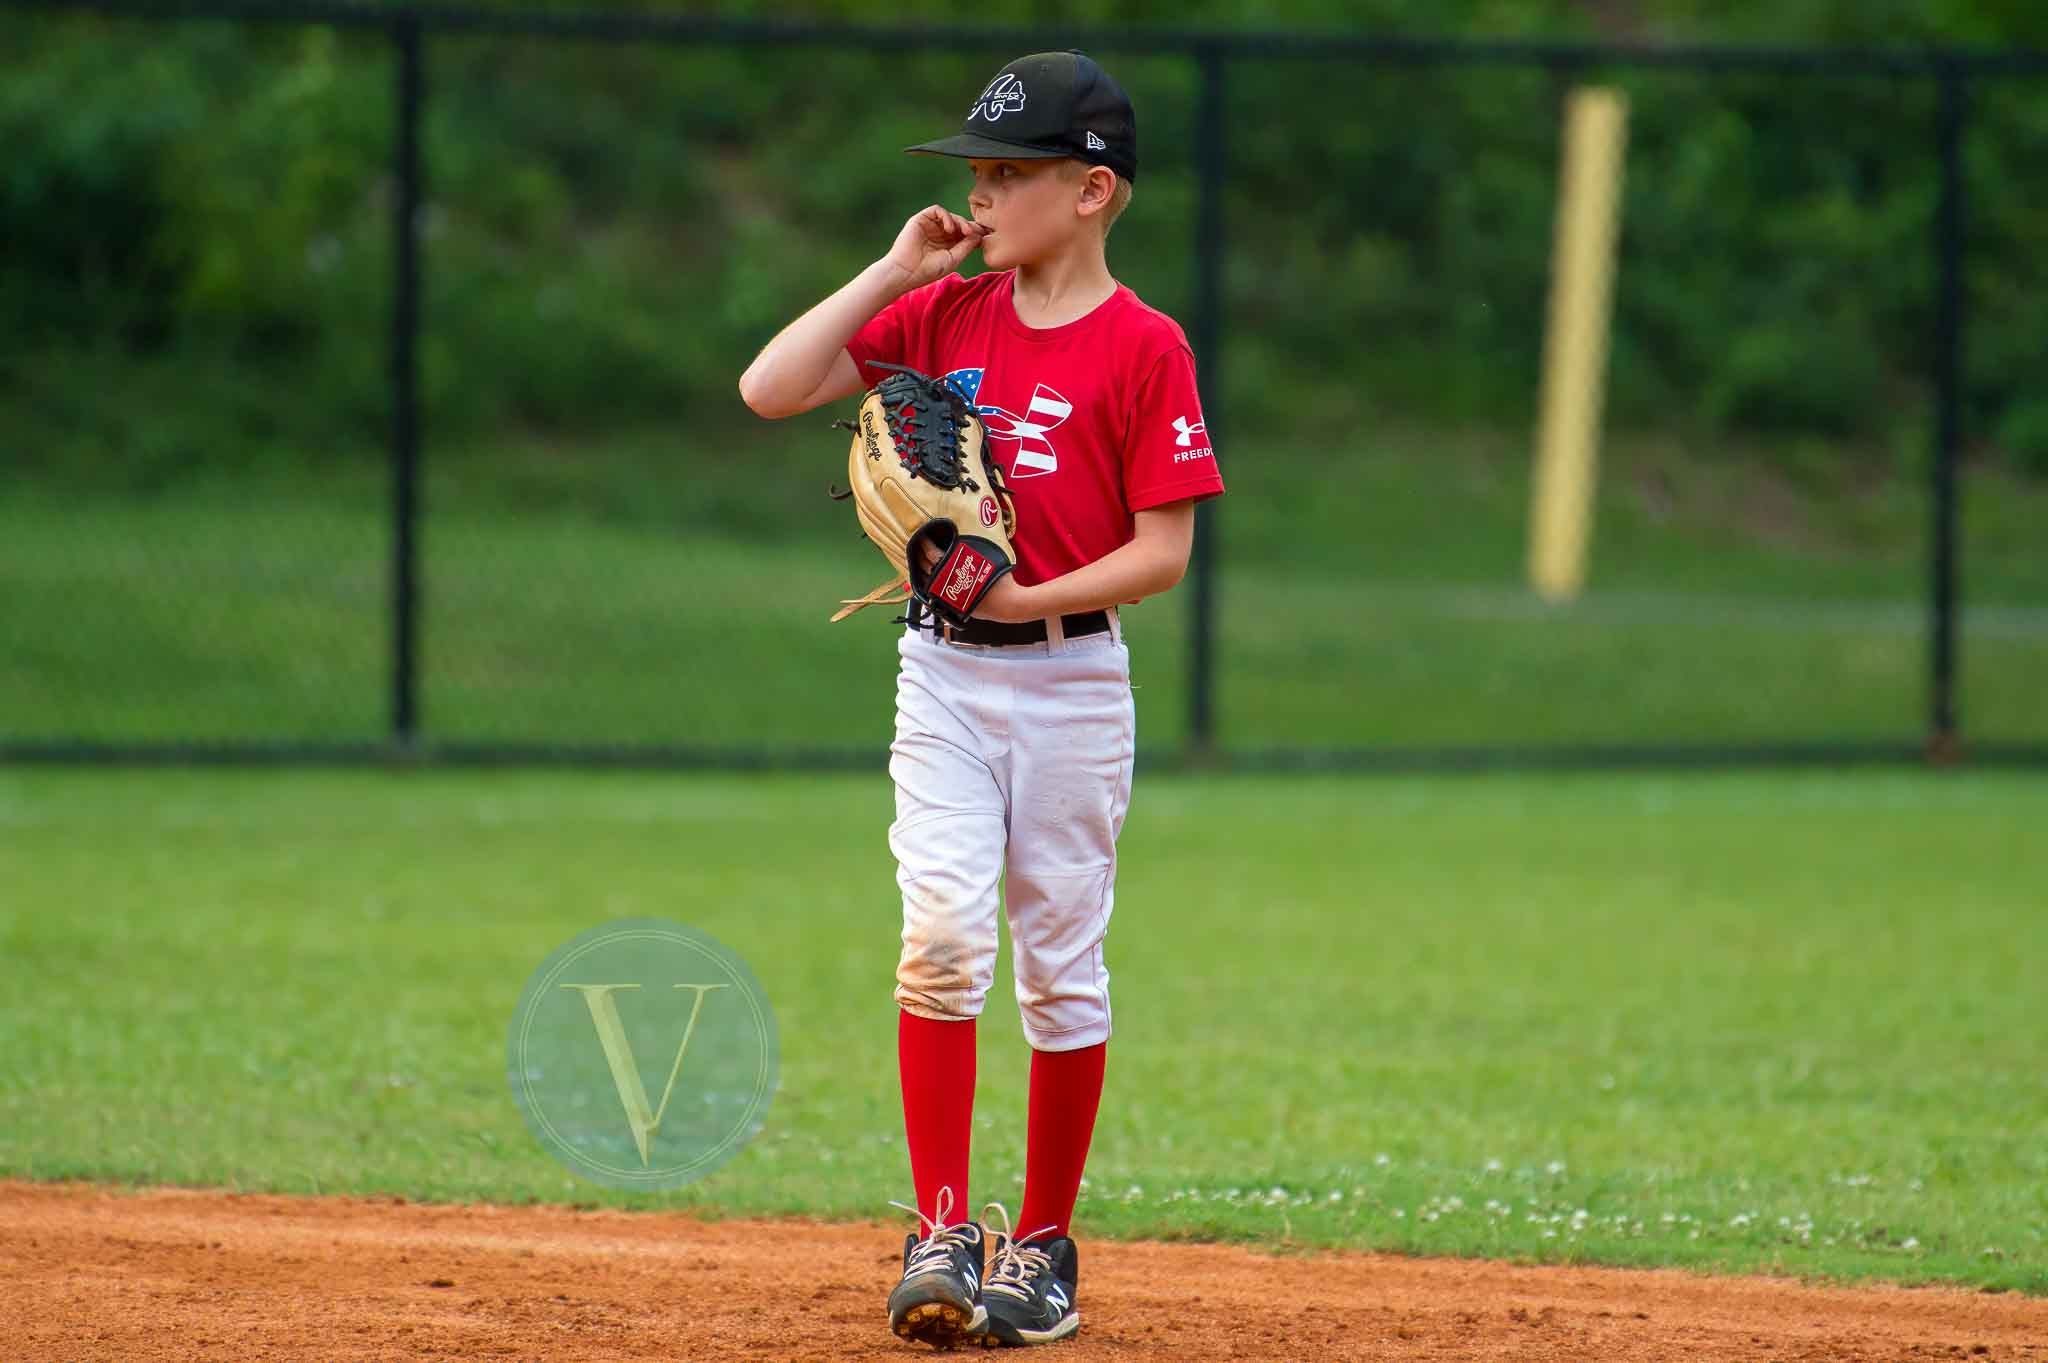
(93, 1273)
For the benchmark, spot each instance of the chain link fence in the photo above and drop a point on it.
(387, 401)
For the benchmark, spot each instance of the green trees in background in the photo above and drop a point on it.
(197, 219)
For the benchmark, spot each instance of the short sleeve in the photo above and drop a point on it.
(896, 333)
(1167, 454)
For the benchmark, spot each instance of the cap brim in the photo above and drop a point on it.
(979, 148)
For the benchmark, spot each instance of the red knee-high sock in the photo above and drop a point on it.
(1066, 1090)
(936, 1062)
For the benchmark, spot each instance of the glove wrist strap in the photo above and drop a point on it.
(963, 577)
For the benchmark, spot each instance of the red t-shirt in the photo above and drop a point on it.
(1090, 422)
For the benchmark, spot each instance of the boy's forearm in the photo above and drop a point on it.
(1131, 573)
(790, 367)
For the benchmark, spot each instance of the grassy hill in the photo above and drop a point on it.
(652, 590)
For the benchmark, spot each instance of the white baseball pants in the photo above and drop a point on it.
(1011, 763)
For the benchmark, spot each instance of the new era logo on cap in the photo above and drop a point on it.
(1095, 143)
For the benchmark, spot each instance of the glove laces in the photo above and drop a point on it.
(925, 416)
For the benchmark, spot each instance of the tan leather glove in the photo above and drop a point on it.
(919, 475)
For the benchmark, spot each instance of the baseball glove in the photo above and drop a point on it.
(920, 476)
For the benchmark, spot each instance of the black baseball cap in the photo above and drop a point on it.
(1044, 106)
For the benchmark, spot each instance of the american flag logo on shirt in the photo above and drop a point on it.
(1031, 431)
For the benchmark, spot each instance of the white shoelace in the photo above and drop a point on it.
(1016, 1264)
(940, 1239)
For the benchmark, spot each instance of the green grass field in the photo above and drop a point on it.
(1368, 597)
(1787, 1023)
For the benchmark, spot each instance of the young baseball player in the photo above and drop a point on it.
(1015, 734)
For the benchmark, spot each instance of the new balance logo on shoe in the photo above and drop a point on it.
(1030, 1285)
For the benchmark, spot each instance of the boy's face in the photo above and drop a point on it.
(1032, 205)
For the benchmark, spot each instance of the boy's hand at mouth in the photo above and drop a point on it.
(932, 245)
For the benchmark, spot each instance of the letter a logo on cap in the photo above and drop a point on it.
(1005, 95)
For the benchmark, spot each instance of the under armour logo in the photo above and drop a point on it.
(1187, 431)
(1034, 451)
(1095, 143)
(1005, 95)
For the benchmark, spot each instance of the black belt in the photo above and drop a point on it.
(1027, 632)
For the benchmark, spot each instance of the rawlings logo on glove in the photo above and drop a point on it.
(920, 477)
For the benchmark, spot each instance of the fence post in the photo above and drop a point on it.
(1944, 737)
(1211, 159)
(405, 310)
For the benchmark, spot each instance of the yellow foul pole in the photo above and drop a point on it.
(1575, 343)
